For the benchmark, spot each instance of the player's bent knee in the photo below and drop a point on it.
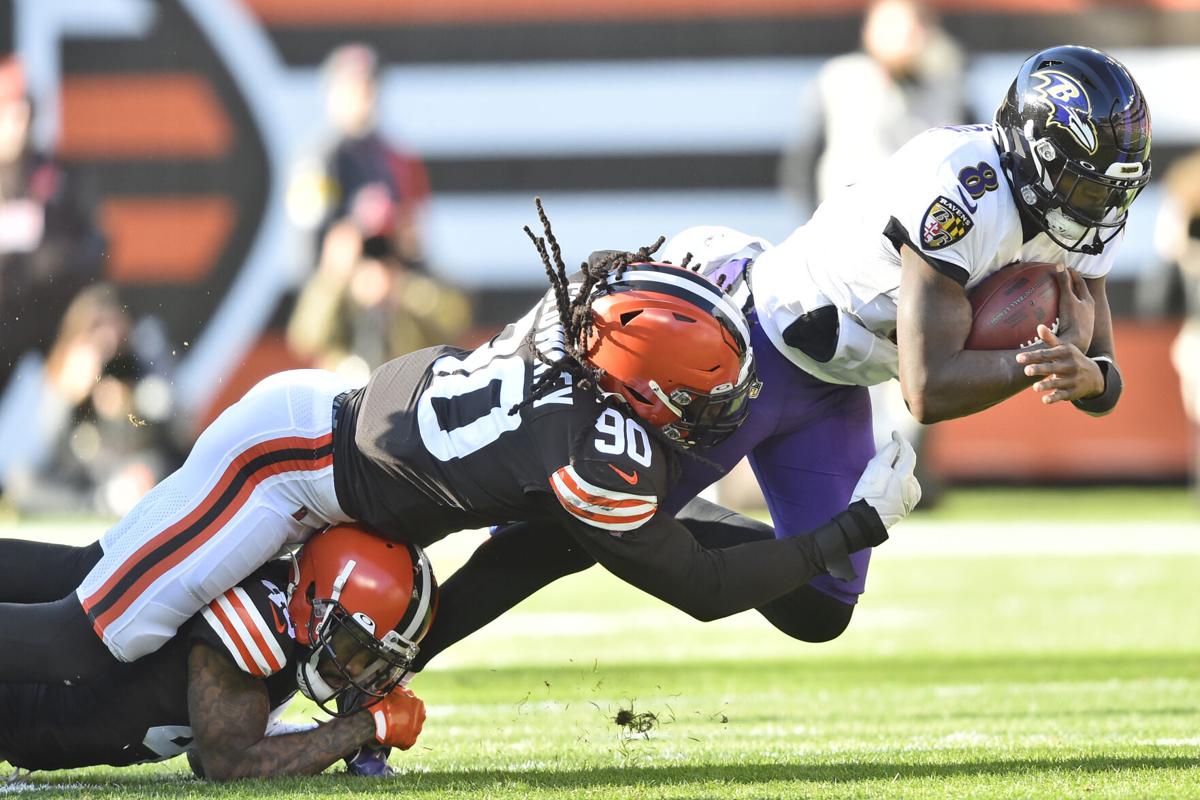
(825, 630)
(809, 615)
(813, 632)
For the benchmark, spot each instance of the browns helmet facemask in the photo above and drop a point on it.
(360, 605)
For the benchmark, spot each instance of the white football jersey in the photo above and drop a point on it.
(945, 196)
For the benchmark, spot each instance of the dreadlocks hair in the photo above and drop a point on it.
(575, 316)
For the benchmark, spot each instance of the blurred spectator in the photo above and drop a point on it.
(84, 427)
(49, 246)
(370, 299)
(1177, 286)
(908, 77)
(367, 179)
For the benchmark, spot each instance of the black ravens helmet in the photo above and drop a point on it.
(1074, 139)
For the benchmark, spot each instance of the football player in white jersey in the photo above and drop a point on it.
(875, 287)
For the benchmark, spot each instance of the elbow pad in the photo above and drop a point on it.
(856, 528)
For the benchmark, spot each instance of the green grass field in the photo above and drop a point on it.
(1052, 657)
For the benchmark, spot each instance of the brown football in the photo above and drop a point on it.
(1008, 306)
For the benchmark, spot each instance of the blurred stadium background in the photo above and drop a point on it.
(1022, 643)
(188, 123)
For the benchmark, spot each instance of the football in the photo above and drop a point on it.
(1007, 307)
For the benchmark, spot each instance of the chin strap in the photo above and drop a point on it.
(312, 685)
(306, 670)
(666, 401)
(1096, 247)
(339, 582)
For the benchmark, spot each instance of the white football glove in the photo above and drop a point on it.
(888, 484)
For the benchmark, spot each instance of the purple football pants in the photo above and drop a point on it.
(808, 442)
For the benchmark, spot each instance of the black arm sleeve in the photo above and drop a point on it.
(527, 556)
(663, 559)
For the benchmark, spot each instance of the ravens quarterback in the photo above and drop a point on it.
(341, 623)
(581, 412)
(874, 287)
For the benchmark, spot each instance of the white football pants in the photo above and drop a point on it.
(259, 478)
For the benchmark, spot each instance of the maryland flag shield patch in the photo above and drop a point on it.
(944, 224)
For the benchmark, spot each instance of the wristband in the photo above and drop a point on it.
(868, 530)
(1106, 400)
(856, 528)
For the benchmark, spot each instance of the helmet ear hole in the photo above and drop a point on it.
(637, 395)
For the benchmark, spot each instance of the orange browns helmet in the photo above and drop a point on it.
(360, 605)
(677, 348)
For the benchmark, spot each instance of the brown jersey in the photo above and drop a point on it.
(435, 443)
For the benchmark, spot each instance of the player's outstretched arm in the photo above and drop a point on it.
(940, 379)
(805, 613)
(663, 559)
(228, 710)
(528, 556)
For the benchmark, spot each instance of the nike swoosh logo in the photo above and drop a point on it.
(970, 206)
(632, 480)
(279, 626)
